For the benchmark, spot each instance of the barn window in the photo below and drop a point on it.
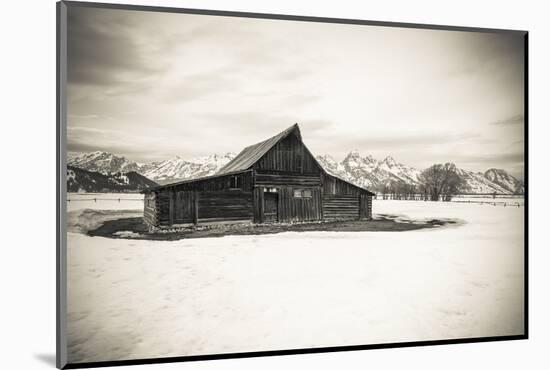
(302, 193)
(235, 182)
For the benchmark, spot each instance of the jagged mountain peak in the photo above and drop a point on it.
(354, 159)
(369, 172)
(390, 160)
(176, 168)
(495, 172)
(214, 158)
(326, 157)
(369, 158)
(504, 180)
(104, 162)
(354, 153)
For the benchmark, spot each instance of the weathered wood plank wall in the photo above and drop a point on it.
(171, 206)
(278, 179)
(258, 203)
(184, 207)
(299, 209)
(365, 206)
(163, 207)
(369, 207)
(333, 185)
(288, 155)
(340, 206)
(150, 209)
(225, 205)
(218, 184)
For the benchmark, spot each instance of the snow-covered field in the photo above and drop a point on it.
(131, 299)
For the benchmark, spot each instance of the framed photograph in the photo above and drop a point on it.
(236, 184)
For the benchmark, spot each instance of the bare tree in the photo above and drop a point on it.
(440, 182)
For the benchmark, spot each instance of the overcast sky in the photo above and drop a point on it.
(151, 86)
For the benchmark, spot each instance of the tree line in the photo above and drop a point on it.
(439, 182)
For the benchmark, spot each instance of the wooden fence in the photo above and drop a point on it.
(104, 199)
(489, 199)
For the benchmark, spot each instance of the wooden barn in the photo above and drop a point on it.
(276, 180)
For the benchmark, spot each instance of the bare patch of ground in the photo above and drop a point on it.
(82, 221)
(135, 228)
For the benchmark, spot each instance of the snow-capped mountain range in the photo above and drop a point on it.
(374, 174)
(366, 171)
(175, 169)
(102, 162)
(81, 180)
(369, 172)
(162, 172)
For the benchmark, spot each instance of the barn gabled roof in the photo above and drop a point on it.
(188, 181)
(251, 154)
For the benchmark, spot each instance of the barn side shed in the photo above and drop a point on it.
(276, 180)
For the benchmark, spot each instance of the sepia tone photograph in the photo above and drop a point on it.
(246, 185)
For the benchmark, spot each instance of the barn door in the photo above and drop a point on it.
(271, 201)
(184, 207)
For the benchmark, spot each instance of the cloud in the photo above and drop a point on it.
(246, 126)
(196, 86)
(517, 119)
(495, 158)
(83, 116)
(101, 49)
(404, 141)
(494, 53)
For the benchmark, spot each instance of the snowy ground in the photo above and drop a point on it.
(131, 299)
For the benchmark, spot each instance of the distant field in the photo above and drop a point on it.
(509, 200)
(499, 200)
(111, 201)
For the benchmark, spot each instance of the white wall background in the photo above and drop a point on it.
(28, 183)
